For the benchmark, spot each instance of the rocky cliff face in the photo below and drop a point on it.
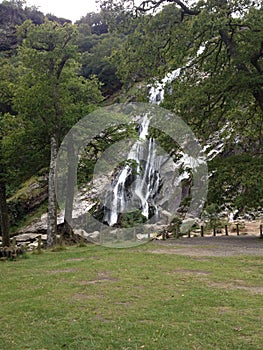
(32, 194)
(14, 14)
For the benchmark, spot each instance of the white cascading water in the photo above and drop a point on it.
(138, 182)
(156, 92)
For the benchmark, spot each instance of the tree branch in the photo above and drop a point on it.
(218, 54)
(228, 42)
(149, 5)
(61, 65)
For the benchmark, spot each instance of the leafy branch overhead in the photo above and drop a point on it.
(218, 40)
(152, 5)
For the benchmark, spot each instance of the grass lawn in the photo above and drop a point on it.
(97, 298)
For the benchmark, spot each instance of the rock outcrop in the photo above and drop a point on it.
(28, 198)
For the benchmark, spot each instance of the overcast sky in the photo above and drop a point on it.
(72, 9)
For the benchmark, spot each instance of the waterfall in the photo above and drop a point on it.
(137, 185)
(156, 91)
(138, 182)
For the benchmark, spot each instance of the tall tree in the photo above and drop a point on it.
(6, 94)
(50, 91)
(4, 221)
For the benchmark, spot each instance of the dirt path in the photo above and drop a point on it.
(211, 246)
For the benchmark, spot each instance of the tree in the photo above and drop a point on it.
(22, 146)
(94, 22)
(6, 88)
(14, 13)
(50, 91)
(220, 90)
(4, 221)
(97, 46)
(98, 61)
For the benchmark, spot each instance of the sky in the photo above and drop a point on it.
(72, 9)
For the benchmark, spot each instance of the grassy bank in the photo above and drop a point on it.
(94, 298)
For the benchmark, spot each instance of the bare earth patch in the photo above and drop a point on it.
(190, 271)
(124, 303)
(101, 277)
(75, 259)
(63, 271)
(80, 296)
(252, 289)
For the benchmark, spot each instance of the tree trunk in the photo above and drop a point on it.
(4, 216)
(232, 50)
(52, 200)
(71, 179)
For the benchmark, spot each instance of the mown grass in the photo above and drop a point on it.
(96, 298)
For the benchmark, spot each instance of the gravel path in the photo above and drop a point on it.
(211, 246)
